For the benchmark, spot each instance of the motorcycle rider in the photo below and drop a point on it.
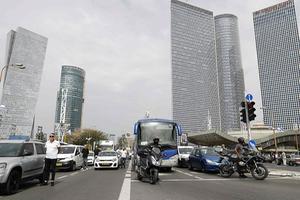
(239, 150)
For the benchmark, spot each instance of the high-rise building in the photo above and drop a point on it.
(21, 86)
(278, 55)
(230, 71)
(70, 99)
(195, 92)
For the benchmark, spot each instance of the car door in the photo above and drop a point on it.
(28, 160)
(197, 159)
(40, 150)
(192, 158)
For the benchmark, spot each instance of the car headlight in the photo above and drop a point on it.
(115, 159)
(211, 162)
(2, 167)
(97, 160)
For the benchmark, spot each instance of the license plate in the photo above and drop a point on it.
(58, 164)
(106, 164)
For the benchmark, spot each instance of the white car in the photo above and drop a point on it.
(183, 155)
(91, 158)
(69, 157)
(107, 159)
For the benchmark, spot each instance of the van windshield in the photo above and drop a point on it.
(10, 149)
(66, 150)
(185, 150)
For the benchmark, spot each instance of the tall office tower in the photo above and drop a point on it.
(277, 46)
(21, 86)
(70, 99)
(194, 71)
(230, 71)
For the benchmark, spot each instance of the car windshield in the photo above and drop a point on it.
(107, 154)
(10, 149)
(185, 150)
(91, 154)
(66, 150)
(166, 133)
(209, 152)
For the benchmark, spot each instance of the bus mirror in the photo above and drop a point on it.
(178, 127)
(135, 129)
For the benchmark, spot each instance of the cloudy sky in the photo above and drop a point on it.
(124, 47)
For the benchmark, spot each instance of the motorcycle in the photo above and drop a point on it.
(148, 163)
(251, 162)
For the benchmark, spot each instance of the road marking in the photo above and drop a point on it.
(126, 187)
(188, 174)
(73, 173)
(61, 177)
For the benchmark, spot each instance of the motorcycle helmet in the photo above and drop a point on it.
(156, 140)
(241, 140)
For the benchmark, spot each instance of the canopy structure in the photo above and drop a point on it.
(211, 138)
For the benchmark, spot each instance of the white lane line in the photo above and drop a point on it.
(73, 173)
(126, 187)
(61, 177)
(188, 174)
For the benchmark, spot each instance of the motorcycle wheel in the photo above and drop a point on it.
(225, 171)
(260, 173)
(153, 176)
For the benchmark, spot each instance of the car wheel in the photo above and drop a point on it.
(13, 182)
(73, 166)
(191, 167)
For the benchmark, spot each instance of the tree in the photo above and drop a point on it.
(123, 143)
(86, 136)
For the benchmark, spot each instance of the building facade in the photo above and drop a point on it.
(70, 99)
(277, 46)
(230, 71)
(195, 92)
(21, 86)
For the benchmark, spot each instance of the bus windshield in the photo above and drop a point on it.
(166, 133)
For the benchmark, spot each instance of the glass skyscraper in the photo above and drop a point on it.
(195, 92)
(21, 86)
(277, 46)
(70, 97)
(230, 71)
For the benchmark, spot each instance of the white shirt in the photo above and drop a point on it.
(52, 149)
(123, 154)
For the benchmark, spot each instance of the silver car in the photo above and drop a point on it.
(20, 160)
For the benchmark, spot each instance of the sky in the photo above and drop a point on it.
(124, 47)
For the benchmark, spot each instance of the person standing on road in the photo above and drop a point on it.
(283, 156)
(85, 154)
(123, 157)
(239, 150)
(52, 148)
(96, 151)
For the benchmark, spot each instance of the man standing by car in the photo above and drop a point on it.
(52, 148)
(85, 154)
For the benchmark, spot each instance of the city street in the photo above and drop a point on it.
(176, 185)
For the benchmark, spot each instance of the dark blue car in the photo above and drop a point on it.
(205, 159)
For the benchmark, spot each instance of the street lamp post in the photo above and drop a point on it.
(273, 126)
(18, 65)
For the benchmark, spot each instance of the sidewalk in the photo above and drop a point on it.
(283, 173)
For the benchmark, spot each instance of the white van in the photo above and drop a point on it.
(183, 155)
(70, 157)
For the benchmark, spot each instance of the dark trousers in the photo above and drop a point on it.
(50, 166)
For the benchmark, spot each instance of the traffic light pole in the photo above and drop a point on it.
(247, 121)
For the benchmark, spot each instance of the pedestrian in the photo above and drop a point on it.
(123, 158)
(283, 156)
(96, 151)
(52, 147)
(85, 154)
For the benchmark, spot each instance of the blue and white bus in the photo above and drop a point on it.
(167, 131)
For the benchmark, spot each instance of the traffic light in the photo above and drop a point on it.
(243, 113)
(251, 110)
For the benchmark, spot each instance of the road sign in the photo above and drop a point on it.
(249, 97)
(252, 144)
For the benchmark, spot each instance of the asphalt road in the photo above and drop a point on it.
(181, 184)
